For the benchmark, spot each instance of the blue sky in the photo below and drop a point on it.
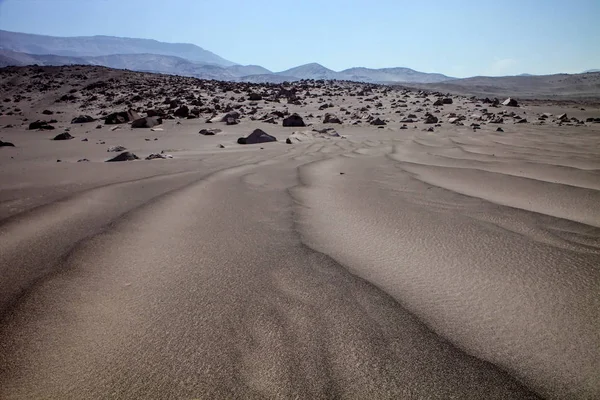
(455, 37)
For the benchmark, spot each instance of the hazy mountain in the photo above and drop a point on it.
(591, 70)
(310, 71)
(267, 78)
(91, 46)
(391, 75)
(245, 70)
(8, 57)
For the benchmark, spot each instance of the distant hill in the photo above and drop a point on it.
(244, 70)
(8, 58)
(585, 85)
(591, 70)
(91, 46)
(392, 75)
(310, 71)
(250, 73)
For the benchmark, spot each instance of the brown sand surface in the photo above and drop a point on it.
(386, 263)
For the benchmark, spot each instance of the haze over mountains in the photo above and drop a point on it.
(175, 58)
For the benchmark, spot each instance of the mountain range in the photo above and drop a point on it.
(175, 58)
(179, 59)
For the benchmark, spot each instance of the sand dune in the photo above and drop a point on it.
(392, 263)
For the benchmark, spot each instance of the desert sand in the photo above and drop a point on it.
(407, 260)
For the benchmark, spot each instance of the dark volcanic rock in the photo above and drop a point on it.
(209, 132)
(82, 119)
(125, 156)
(331, 119)
(258, 136)
(47, 112)
(447, 100)
(121, 117)
(254, 97)
(63, 136)
(430, 119)
(146, 122)
(182, 111)
(293, 120)
(116, 149)
(378, 122)
(40, 125)
(510, 103)
(6, 144)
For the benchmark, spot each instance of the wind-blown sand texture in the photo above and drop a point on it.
(384, 263)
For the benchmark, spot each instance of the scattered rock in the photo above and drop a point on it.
(146, 122)
(125, 156)
(161, 156)
(331, 119)
(224, 117)
(182, 112)
(510, 103)
(83, 160)
(63, 136)
(82, 119)
(121, 117)
(6, 144)
(47, 112)
(40, 125)
(430, 119)
(294, 120)
(258, 136)
(378, 122)
(209, 132)
(115, 149)
(254, 97)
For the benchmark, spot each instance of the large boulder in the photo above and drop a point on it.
(121, 117)
(82, 119)
(294, 120)
(510, 103)
(146, 122)
(125, 156)
(258, 136)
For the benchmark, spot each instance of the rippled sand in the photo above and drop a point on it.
(391, 264)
